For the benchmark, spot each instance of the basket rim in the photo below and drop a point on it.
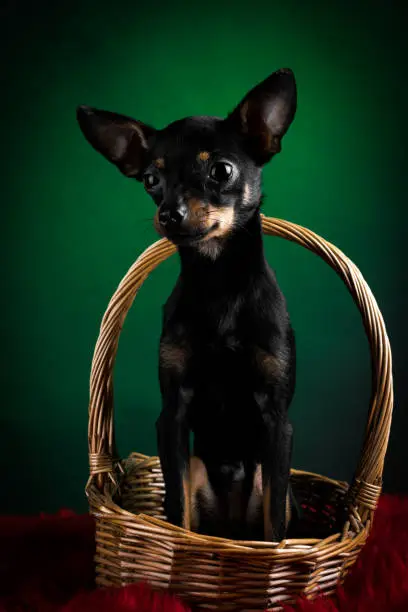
(367, 482)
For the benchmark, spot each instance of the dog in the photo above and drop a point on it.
(227, 347)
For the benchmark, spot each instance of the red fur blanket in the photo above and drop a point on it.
(46, 565)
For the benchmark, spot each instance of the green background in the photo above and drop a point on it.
(71, 225)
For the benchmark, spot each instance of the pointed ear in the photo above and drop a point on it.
(265, 114)
(122, 140)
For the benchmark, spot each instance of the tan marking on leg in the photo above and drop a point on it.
(187, 502)
(173, 356)
(199, 484)
(203, 155)
(266, 503)
(257, 504)
(288, 510)
(254, 509)
(159, 162)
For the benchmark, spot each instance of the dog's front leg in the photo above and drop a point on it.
(173, 433)
(276, 458)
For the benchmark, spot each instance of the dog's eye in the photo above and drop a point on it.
(150, 180)
(221, 172)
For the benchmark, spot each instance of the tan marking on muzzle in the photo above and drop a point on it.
(224, 217)
(206, 215)
(197, 213)
(196, 206)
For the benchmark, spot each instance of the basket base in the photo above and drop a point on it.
(135, 544)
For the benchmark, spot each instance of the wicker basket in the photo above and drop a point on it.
(135, 543)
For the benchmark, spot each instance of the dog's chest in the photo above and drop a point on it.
(223, 413)
(221, 352)
(223, 373)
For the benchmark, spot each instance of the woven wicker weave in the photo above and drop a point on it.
(133, 541)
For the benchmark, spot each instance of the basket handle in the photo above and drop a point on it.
(366, 486)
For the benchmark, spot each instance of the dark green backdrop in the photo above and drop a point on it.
(71, 225)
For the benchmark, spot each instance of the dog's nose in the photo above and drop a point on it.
(173, 216)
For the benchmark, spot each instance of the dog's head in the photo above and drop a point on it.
(203, 173)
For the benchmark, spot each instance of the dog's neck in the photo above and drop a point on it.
(230, 264)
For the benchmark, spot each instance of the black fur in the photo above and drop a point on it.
(227, 367)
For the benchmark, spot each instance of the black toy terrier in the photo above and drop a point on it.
(227, 351)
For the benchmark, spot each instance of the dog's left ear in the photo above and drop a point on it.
(265, 114)
(121, 140)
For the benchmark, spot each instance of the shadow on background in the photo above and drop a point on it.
(72, 225)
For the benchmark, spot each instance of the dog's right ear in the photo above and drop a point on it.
(121, 140)
(265, 114)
